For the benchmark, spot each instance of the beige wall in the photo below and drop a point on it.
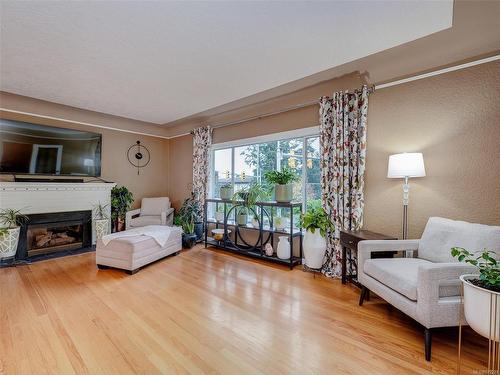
(152, 181)
(452, 118)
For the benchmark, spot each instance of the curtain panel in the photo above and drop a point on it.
(202, 141)
(342, 140)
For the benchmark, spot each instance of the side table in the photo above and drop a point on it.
(349, 242)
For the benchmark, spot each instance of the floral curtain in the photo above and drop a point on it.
(202, 141)
(342, 159)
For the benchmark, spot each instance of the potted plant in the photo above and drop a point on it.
(283, 187)
(316, 223)
(226, 191)
(121, 201)
(191, 211)
(480, 290)
(101, 220)
(10, 220)
(188, 236)
(245, 199)
(241, 215)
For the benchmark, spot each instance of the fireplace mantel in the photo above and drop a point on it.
(46, 197)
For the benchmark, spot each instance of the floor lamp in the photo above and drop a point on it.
(406, 165)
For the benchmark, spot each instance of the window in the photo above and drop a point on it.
(246, 163)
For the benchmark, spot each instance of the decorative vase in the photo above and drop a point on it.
(480, 308)
(8, 242)
(269, 250)
(101, 228)
(255, 223)
(219, 216)
(226, 193)
(280, 223)
(314, 249)
(198, 230)
(283, 193)
(283, 250)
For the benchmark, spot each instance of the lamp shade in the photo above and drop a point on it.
(408, 164)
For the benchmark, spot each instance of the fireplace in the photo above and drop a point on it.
(54, 232)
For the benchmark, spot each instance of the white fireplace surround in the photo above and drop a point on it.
(45, 197)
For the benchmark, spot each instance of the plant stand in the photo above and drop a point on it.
(492, 329)
(265, 233)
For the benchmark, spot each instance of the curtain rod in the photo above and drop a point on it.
(372, 89)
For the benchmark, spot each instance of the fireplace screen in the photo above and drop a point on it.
(47, 238)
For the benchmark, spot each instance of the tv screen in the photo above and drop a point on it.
(27, 148)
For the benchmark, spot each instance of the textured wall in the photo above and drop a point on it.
(452, 118)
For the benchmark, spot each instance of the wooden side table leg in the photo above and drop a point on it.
(344, 266)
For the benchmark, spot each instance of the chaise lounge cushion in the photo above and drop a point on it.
(399, 274)
(154, 206)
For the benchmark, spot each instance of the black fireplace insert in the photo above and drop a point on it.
(55, 232)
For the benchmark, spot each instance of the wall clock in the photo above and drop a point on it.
(138, 155)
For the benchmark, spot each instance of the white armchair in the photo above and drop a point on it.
(153, 211)
(427, 287)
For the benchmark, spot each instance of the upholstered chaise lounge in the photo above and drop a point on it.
(427, 288)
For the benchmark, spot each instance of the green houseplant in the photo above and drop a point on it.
(226, 191)
(101, 220)
(316, 223)
(480, 290)
(188, 234)
(10, 220)
(246, 198)
(121, 201)
(191, 211)
(282, 180)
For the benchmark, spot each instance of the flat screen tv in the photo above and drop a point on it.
(34, 149)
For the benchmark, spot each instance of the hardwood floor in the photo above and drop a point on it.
(206, 311)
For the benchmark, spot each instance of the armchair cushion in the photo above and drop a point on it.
(440, 235)
(399, 274)
(154, 206)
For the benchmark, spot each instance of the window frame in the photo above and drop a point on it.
(304, 134)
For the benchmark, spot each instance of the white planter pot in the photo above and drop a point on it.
(101, 228)
(283, 250)
(314, 249)
(478, 309)
(8, 243)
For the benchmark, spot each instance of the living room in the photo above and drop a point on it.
(245, 187)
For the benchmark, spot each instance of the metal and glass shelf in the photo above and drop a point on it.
(265, 213)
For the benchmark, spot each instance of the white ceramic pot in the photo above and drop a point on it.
(477, 308)
(101, 228)
(283, 193)
(8, 242)
(283, 250)
(314, 249)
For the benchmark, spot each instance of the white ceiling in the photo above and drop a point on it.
(161, 61)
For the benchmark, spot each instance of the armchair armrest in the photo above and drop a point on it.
(130, 215)
(435, 275)
(167, 217)
(438, 288)
(365, 248)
